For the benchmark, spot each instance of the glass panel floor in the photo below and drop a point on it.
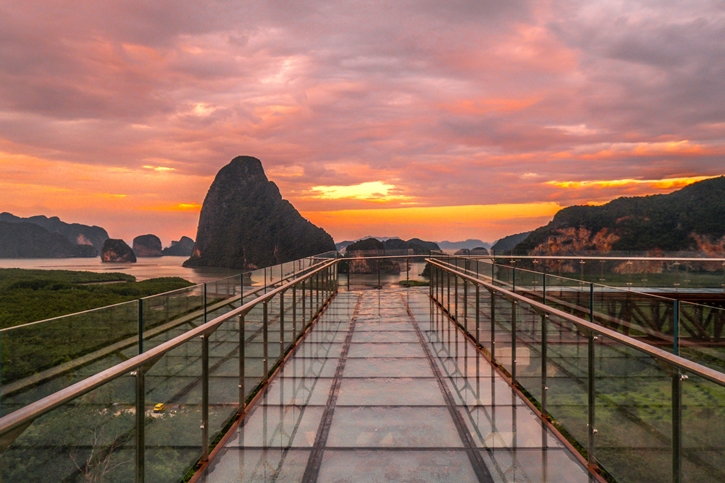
(385, 389)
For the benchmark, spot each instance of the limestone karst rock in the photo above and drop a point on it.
(117, 251)
(181, 248)
(28, 240)
(245, 223)
(147, 246)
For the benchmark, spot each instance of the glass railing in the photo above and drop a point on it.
(692, 330)
(636, 411)
(40, 358)
(153, 416)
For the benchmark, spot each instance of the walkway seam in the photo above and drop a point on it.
(314, 463)
(473, 452)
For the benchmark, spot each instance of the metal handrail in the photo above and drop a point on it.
(22, 417)
(692, 367)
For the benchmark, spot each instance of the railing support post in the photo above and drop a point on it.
(265, 339)
(140, 326)
(242, 368)
(493, 326)
(676, 426)
(205, 397)
(676, 327)
(455, 304)
(590, 400)
(203, 301)
(513, 340)
(294, 312)
(478, 314)
(281, 325)
(140, 439)
(544, 355)
(465, 303)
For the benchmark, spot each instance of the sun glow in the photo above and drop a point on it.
(662, 184)
(376, 191)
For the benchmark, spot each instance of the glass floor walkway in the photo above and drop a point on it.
(384, 388)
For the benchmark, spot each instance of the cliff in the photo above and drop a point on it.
(245, 223)
(74, 232)
(692, 218)
(147, 246)
(28, 240)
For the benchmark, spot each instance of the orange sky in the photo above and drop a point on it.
(454, 120)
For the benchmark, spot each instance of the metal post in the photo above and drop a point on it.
(676, 327)
(294, 312)
(281, 325)
(465, 302)
(242, 368)
(407, 270)
(140, 326)
(140, 425)
(455, 283)
(590, 399)
(304, 304)
(265, 339)
(478, 314)
(513, 277)
(677, 426)
(205, 397)
(204, 302)
(513, 340)
(544, 355)
(591, 302)
(543, 292)
(448, 283)
(493, 325)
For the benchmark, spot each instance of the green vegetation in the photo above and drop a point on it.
(414, 283)
(30, 295)
(688, 219)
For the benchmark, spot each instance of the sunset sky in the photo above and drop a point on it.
(436, 119)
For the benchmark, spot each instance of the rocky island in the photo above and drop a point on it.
(245, 223)
(181, 248)
(147, 246)
(117, 251)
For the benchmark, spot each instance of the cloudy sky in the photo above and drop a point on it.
(438, 119)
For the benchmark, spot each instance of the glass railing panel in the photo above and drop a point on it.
(566, 369)
(223, 375)
(528, 350)
(633, 413)
(173, 437)
(38, 359)
(91, 438)
(253, 350)
(703, 430)
(183, 304)
(501, 332)
(701, 336)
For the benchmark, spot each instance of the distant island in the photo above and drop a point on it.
(690, 219)
(245, 223)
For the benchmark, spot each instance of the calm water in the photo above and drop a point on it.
(144, 269)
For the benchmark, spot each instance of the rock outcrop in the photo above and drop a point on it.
(75, 233)
(472, 251)
(691, 219)
(28, 240)
(147, 246)
(181, 248)
(245, 223)
(117, 251)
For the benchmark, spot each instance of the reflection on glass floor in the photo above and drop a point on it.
(385, 389)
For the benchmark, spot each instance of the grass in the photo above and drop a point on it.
(30, 295)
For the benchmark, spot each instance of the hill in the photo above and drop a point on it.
(28, 240)
(508, 243)
(75, 233)
(692, 218)
(245, 223)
